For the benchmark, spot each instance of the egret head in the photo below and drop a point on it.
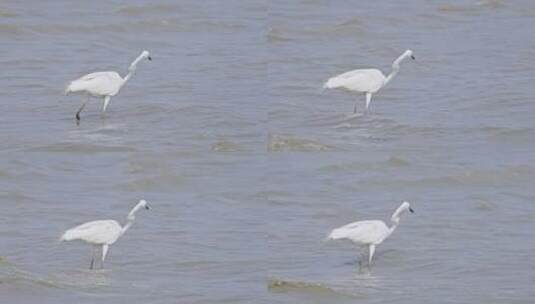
(146, 54)
(408, 53)
(405, 206)
(144, 204)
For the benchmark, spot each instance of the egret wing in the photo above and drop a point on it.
(363, 232)
(98, 83)
(93, 76)
(361, 80)
(95, 232)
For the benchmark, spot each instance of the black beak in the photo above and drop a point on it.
(410, 209)
(150, 58)
(147, 207)
(412, 57)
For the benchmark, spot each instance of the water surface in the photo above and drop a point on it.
(248, 164)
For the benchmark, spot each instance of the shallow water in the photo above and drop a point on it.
(248, 164)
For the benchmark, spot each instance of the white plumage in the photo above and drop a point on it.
(102, 233)
(369, 233)
(367, 81)
(363, 80)
(363, 232)
(97, 84)
(95, 232)
(103, 84)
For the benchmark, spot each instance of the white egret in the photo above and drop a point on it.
(102, 233)
(103, 84)
(370, 233)
(367, 81)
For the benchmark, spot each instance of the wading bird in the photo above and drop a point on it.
(103, 84)
(369, 233)
(367, 81)
(102, 233)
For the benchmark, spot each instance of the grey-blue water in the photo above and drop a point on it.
(248, 164)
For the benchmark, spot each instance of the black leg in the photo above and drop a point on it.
(80, 110)
(92, 258)
(78, 113)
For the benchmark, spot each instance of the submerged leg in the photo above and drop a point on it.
(92, 258)
(372, 251)
(105, 248)
(355, 107)
(368, 100)
(360, 258)
(80, 110)
(106, 103)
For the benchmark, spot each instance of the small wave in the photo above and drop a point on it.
(492, 3)
(279, 143)
(147, 9)
(282, 286)
(509, 174)
(151, 25)
(353, 25)
(349, 27)
(3, 261)
(225, 146)
(351, 22)
(484, 205)
(4, 173)
(392, 162)
(15, 196)
(104, 28)
(345, 125)
(147, 184)
(7, 14)
(352, 117)
(83, 279)
(397, 162)
(452, 8)
(10, 30)
(197, 265)
(80, 148)
(273, 196)
(367, 123)
(501, 133)
(10, 274)
(476, 177)
(276, 35)
(337, 120)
